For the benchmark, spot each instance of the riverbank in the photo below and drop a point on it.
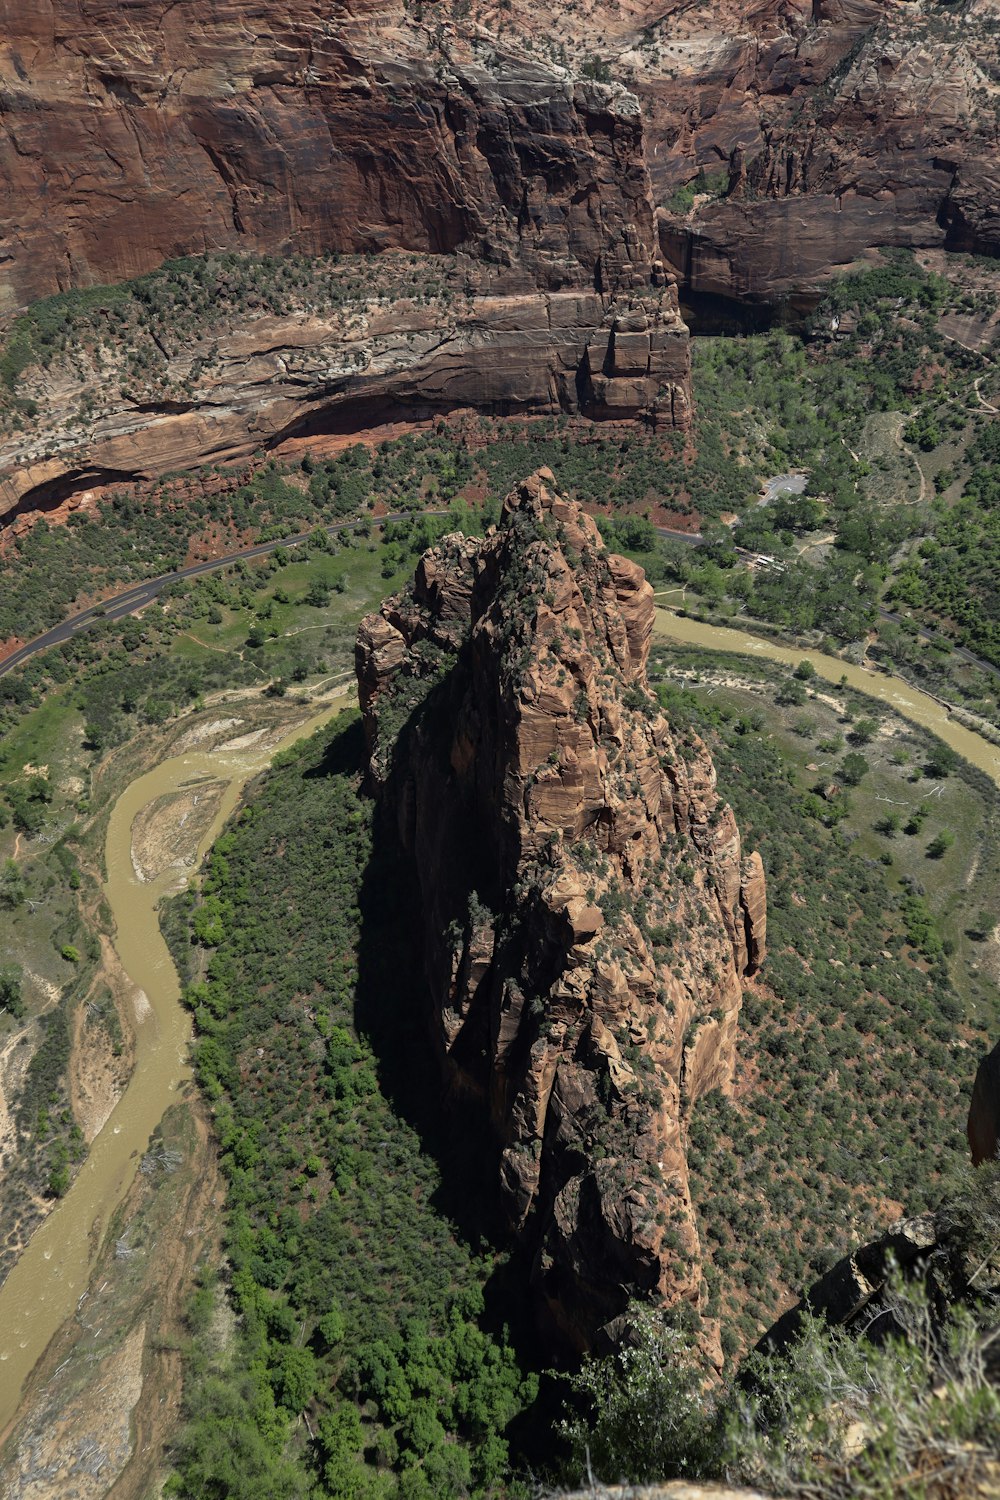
(51, 1277)
(900, 696)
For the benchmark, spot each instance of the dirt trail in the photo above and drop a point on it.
(984, 405)
(916, 463)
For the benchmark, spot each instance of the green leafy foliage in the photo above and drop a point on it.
(11, 999)
(952, 576)
(359, 1304)
(643, 1413)
(857, 1008)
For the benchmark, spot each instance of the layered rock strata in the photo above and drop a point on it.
(819, 129)
(520, 192)
(823, 128)
(587, 911)
(241, 389)
(251, 125)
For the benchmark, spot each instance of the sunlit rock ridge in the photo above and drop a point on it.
(587, 911)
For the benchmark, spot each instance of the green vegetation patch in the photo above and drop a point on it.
(363, 1365)
(855, 1031)
(953, 576)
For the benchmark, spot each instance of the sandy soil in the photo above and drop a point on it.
(14, 1060)
(166, 833)
(195, 737)
(63, 1453)
(104, 1400)
(262, 738)
(244, 741)
(97, 1078)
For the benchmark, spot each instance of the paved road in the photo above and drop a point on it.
(142, 594)
(695, 539)
(931, 635)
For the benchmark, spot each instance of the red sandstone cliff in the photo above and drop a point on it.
(825, 128)
(587, 911)
(478, 141)
(844, 125)
(127, 136)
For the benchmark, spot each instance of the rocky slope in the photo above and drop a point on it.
(128, 140)
(484, 339)
(587, 912)
(944, 1248)
(836, 125)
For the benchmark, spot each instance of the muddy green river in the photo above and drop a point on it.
(51, 1276)
(896, 694)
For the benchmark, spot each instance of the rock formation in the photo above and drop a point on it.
(244, 126)
(587, 913)
(836, 125)
(249, 124)
(984, 1109)
(820, 128)
(831, 127)
(379, 359)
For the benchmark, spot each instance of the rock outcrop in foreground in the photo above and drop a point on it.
(586, 908)
(983, 1126)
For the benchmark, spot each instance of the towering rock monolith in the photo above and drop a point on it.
(587, 912)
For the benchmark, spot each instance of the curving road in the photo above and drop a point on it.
(140, 594)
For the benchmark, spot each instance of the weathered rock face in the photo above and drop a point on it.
(247, 125)
(840, 126)
(587, 911)
(825, 127)
(247, 388)
(984, 1110)
(250, 124)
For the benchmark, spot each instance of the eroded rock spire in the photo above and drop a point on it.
(587, 911)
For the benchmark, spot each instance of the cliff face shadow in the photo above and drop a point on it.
(393, 1011)
(343, 751)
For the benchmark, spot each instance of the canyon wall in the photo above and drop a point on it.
(830, 127)
(822, 128)
(234, 391)
(587, 911)
(533, 159)
(128, 137)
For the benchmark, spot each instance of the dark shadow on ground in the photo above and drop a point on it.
(394, 1012)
